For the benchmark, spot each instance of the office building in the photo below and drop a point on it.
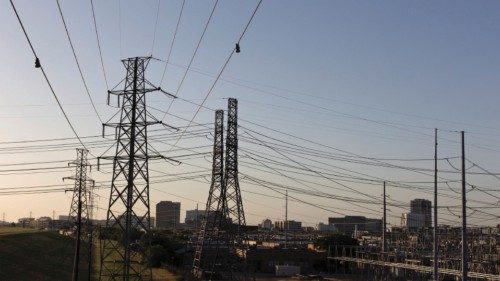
(168, 214)
(423, 207)
(290, 225)
(412, 220)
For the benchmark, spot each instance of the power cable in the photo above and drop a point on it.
(45, 75)
(77, 62)
(172, 43)
(99, 44)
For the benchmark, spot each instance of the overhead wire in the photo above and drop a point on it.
(233, 50)
(77, 62)
(99, 44)
(172, 43)
(192, 56)
(45, 75)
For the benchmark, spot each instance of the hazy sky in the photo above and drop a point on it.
(371, 78)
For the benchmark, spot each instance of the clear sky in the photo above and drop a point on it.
(370, 78)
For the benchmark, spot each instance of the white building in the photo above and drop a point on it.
(266, 224)
(412, 220)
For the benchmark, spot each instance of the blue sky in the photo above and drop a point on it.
(328, 71)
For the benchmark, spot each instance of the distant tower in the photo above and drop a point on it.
(81, 188)
(79, 210)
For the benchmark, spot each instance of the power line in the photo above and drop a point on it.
(77, 62)
(172, 42)
(220, 72)
(192, 57)
(45, 75)
(99, 44)
(155, 26)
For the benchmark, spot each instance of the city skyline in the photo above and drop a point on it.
(357, 85)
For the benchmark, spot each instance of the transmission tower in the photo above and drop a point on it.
(79, 213)
(232, 185)
(210, 234)
(128, 213)
(221, 239)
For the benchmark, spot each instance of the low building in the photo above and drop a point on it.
(290, 225)
(266, 224)
(351, 224)
(265, 260)
(44, 223)
(322, 227)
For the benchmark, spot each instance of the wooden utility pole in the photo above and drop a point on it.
(384, 226)
(464, 216)
(286, 219)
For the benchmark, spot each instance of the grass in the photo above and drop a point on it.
(9, 230)
(35, 255)
(27, 254)
(159, 274)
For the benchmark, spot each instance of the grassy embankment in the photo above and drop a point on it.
(29, 254)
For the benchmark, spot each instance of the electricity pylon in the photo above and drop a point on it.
(122, 255)
(232, 185)
(209, 235)
(79, 213)
(222, 240)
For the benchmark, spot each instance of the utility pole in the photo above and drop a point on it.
(435, 248)
(286, 219)
(464, 216)
(384, 225)
(129, 204)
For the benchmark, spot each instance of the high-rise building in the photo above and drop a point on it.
(423, 207)
(168, 214)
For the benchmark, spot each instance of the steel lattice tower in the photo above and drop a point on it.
(80, 212)
(235, 214)
(128, 216)
(222, 235)
(232, 185)
(81, 190)
(215, 210)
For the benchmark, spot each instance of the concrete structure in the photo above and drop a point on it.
(265, 260)
(423, 207)
(350, 224)
(44, 223)
(26, 222)
(287, 270)
(168, 214)
(290, 225)
(322, 227)
(412, 220)
(194, 215)
(266, 224)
